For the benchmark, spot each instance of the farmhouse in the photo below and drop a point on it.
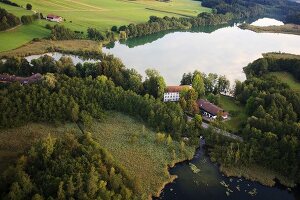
(6, 78)
(210, 110)
(172, 93)
(54, 18)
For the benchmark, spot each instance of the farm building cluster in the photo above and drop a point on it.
(54, 18)
(208, 110)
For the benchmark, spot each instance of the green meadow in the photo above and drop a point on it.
(82, 14)
(289, 79)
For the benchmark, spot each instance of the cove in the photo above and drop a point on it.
(221, 50)
(209, 184)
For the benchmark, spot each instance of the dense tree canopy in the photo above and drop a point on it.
(7, 20)
(70, 167)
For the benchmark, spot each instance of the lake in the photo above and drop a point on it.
(209, 184)
(222, 50)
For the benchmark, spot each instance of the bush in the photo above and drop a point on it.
(114, 28)
(28, 6)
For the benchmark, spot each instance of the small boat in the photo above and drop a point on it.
(194, 168)
(224, 184)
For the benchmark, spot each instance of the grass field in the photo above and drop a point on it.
(281, 55)
(14, 141)
(106, 13)
(236, 111)
(289, 79)
(143, 157)
(22, 34)
(82, 14)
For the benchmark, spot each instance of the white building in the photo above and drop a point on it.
(172, 93)
(54, 18)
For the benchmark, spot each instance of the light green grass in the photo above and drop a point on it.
(103, 14)
(144, 159)
(14, 141)
(236, 111)
(289, 79)
(17, 11)
(21, 35)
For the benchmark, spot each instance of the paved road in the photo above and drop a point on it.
(224, 133)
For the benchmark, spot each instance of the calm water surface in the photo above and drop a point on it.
(224, 51)
(206, 184)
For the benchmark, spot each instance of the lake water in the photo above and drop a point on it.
(207, 184)
(224, 51)
(57, 56)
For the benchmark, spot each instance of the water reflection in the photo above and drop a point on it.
(210, 184)
(267, 22)
(224, 51)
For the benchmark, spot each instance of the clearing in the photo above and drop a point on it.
(134, 146)
(289, 79)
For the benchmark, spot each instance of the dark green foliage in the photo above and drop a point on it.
(7, 20)
(272, 131)
(156, 24)
(28, 6)
(114, 28)
(28, 19)
(61, 33)
(293, 18)
(95, 34)
(68, 168)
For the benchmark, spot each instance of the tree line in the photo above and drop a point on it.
(71, 167)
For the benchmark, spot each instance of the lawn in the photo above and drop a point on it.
(21, 35)
(14, 141)
(135, 148)
(236, 111)
(289, 79)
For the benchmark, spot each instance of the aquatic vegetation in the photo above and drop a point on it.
(194, 168)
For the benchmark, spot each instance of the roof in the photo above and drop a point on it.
(177, 88)
(53, 16)
(13, 78)
(210, 107)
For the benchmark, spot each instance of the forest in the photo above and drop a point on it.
(71, 167)
(284, 10)
(272, 131)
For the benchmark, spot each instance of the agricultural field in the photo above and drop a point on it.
(14, 141)
(288, 78)
(134, 146)
(81, 14)
(236, 111)
(21, 35)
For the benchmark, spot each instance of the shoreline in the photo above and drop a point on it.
(292, 29)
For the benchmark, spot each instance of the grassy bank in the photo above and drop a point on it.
(16, 37)
(287, 29)
(43, 46)
(256, 173)
(135, 148)
(14, 141)
(81, 14)
(281, 55)
(236, 111)
(289, 79)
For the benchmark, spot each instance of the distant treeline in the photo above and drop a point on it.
(8, 2)
(156, 24)
(285, 10)
(262, 66)
(8, 20)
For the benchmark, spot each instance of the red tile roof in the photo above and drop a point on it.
(210, 107)
(52, 16)
(177, 88)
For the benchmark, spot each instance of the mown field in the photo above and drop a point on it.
(22, 34)
(82, 14)
(14, 141)
(236, 111)
(135, 148)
